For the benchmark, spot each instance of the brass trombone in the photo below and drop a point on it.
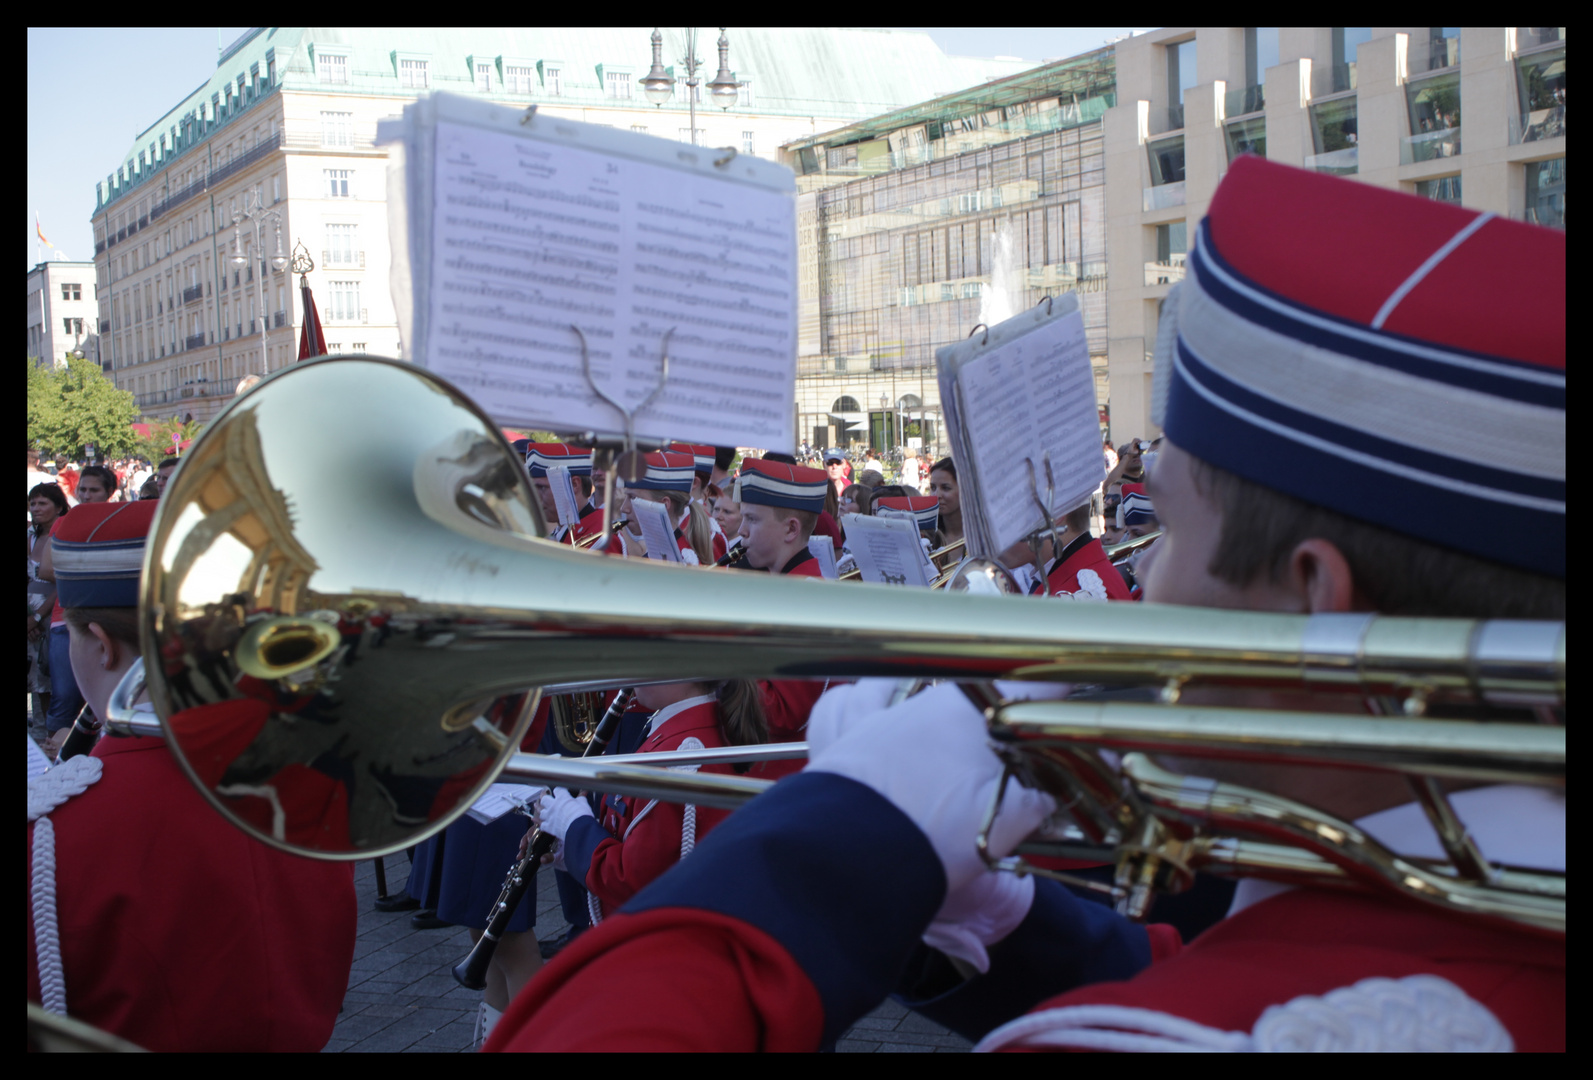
(446, 600)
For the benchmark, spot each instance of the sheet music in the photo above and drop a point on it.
(658, 532)
(822, 548)
(563, 494)
(530, 236)
(38, 763)
(499, 800)
(886, 549)
(1021, 398)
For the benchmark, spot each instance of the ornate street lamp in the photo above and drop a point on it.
(659, 87)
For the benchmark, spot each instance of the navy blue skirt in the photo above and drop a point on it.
(460, 872)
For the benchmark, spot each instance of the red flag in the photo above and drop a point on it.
(311, 341)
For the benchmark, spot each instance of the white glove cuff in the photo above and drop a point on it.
(969, 939)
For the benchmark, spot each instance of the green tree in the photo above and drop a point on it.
(161, 433)
(71, 407)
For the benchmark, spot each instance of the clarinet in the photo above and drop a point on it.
(471, 972)
(734, 559)
(81, 740)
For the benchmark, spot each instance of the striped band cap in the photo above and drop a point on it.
(1397, 360)
(1136, 508)
(666, 471)
(98, 551)
(774, 483)
(539, 455)
(924, 509)
(702, 456)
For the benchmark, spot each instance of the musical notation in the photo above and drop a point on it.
(530, 237)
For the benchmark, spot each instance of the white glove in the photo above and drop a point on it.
(930, 757)
(557, 810)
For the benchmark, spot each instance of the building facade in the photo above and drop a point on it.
(1382, 105)
(62, 312)
(917, 225)
(278, 146)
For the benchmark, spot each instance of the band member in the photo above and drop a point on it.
(631, 841)
(152, 917)
(539, 457)
(702, 477)
(668, 480)
(780, 504)
(1137, 517)
(1322, 456)
(924, 511)
(1082, 571)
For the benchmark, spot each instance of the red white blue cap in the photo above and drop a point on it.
(666, 471)
(702, 456)
(1136, 508)
(98, 551)
(539, 455)
(1397, 360)
(924, 509)
(774, 483)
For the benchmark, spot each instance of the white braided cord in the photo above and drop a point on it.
(46, 792)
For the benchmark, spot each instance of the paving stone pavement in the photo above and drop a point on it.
(402, 995)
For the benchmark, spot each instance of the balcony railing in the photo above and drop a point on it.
(1164, 273)
(194, 341)
(1429, 146)
(346, 317)
(1163, 196)
(195, 292)
(279, 319)
(1343, 162)
(344, 259)
(1538, 125)
(1249, 99)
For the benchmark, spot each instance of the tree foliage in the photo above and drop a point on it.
(71, 407)
(161, 437)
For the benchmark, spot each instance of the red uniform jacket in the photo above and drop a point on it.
(642, 838)
(1085, 568)
(179, 932)
(787, 702)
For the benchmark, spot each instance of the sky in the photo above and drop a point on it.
(78, 127)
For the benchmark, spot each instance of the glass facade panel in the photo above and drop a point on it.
(1246, 137)
(1442, 189)
(1443, 47)
(1172, 244)
(1334, 135)
(1346, 40)
(1531, 37)
(1434, 106)
(1545, 203)
(1540, 86)
(1181, 74)
(1166, 160)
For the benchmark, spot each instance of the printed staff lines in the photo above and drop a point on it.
(712, 241)
(712, 222)
(464, 265)
(488, 292)
(743, 306)
(500, 314)
(743, 328)
(702, 278)
(552, 258)
(462, 333)
(709, 260)
(607, 247)
(476, 202)
(509, 187)
(719, 345)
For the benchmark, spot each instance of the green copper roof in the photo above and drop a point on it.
(827, 73)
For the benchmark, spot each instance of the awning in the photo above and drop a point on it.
(854, 421)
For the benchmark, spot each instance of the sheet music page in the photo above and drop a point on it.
(38, 763)
(658, 532)
(1025, 398)
(531, 237)
(887, 551)
(563, 494)
(822, 548)
(499, 800)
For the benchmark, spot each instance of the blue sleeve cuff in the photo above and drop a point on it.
(830, 869)
(1064, 942)
(580, 843)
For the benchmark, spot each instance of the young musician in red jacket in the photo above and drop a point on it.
(702, 475)
(1322, 457)
(668, 480)
(538, 458)
(635, 840)
(1082, 571)
(151, 916)
(780, 504)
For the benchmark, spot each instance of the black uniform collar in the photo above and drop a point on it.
(1074, 546)
(796, 560)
